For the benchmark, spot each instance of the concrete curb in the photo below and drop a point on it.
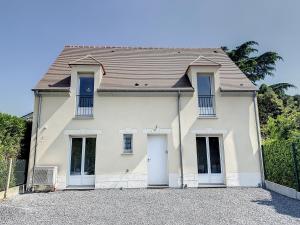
(13, 191)
(286, 191)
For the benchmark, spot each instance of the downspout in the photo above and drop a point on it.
(262, 172)
(37, 124)
(180, 144)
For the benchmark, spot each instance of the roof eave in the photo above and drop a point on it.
(145, 90)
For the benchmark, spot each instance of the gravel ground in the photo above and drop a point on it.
(152, 206)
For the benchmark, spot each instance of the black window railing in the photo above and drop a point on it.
(206, 105)
(85, 105)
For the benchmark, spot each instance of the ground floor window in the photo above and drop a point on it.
(83, 156)
(208, 155)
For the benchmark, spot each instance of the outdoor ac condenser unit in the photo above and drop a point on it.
(45, 178)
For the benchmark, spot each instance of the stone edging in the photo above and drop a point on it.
(286, 191)
(13, 191)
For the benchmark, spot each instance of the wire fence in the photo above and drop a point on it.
(282, 163)
(12, 173)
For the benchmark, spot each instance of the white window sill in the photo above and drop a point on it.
(83, 118)
(207, 117)
(127, 153)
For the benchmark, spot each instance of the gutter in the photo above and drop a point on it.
(36, 133)
(180, 144)
(174, 90)
(262, 172)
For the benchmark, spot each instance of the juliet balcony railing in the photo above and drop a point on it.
(85, 104)
(206, 105)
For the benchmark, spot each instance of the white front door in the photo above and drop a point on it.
(157, 160)
(82, 161)
(210, 160)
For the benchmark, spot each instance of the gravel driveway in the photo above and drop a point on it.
(152, 206)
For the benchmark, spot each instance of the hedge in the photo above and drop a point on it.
(12, 129)
(279, 163)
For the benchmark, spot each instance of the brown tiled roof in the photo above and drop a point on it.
(143, 68)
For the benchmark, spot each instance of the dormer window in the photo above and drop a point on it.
(85, 95)
(206, 101)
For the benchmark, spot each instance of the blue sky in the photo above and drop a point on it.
(34, 32)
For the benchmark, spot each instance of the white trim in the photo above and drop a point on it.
(157, 131)
(252, 179)
(128, 180)
(128, 131)
(210, 131)
(82, 132)
(209, 177)
(123, 141)
(82, 178)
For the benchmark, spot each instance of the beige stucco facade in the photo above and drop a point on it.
(143, 114)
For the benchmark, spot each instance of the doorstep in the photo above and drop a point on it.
(211, 186)
(163, 186)
(80, 187)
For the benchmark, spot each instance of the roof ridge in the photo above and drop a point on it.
(138, 47)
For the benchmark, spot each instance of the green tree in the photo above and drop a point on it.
(280, 133)
(269, 104)
(255, 67)
(11, 133)
(281, 88)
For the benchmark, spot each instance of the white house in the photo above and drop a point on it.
(111, 117)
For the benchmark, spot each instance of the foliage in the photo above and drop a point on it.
(11, 133)
(269, 104)
(279, 113)
(255, 67)
(280, 88)
(281, 133)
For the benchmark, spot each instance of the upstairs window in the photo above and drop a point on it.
(206, 99)
(85, 95)
(127, 140)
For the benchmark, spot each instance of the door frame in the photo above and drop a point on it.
(165, 137)
(222, 158)
(69, 155)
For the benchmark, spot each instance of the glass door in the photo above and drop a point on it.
(82, 161)
(209, 160)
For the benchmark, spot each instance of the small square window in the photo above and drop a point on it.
(127, 140)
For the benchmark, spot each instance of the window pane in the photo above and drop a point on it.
(214, 151)
(201, 155)
(89, 161)
(86, 92)
(86, 86)
(127, 142)
(203, 85)
(76, 156)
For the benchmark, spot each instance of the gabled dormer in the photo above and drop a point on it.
(202, 73)
(86, 75)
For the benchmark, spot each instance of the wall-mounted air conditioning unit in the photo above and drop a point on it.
(44, 178)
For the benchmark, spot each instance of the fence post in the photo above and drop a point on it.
(8, 178)
(264, 162)
(294, 151)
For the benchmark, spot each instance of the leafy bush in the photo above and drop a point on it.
(281, 134)
(12, 130)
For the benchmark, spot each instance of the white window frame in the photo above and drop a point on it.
(209, 174)
(212, 93)
(125, 151)
(80, 75)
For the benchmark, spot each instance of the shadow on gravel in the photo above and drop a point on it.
(282, 204)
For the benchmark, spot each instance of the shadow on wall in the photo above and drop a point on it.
(282, 204)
